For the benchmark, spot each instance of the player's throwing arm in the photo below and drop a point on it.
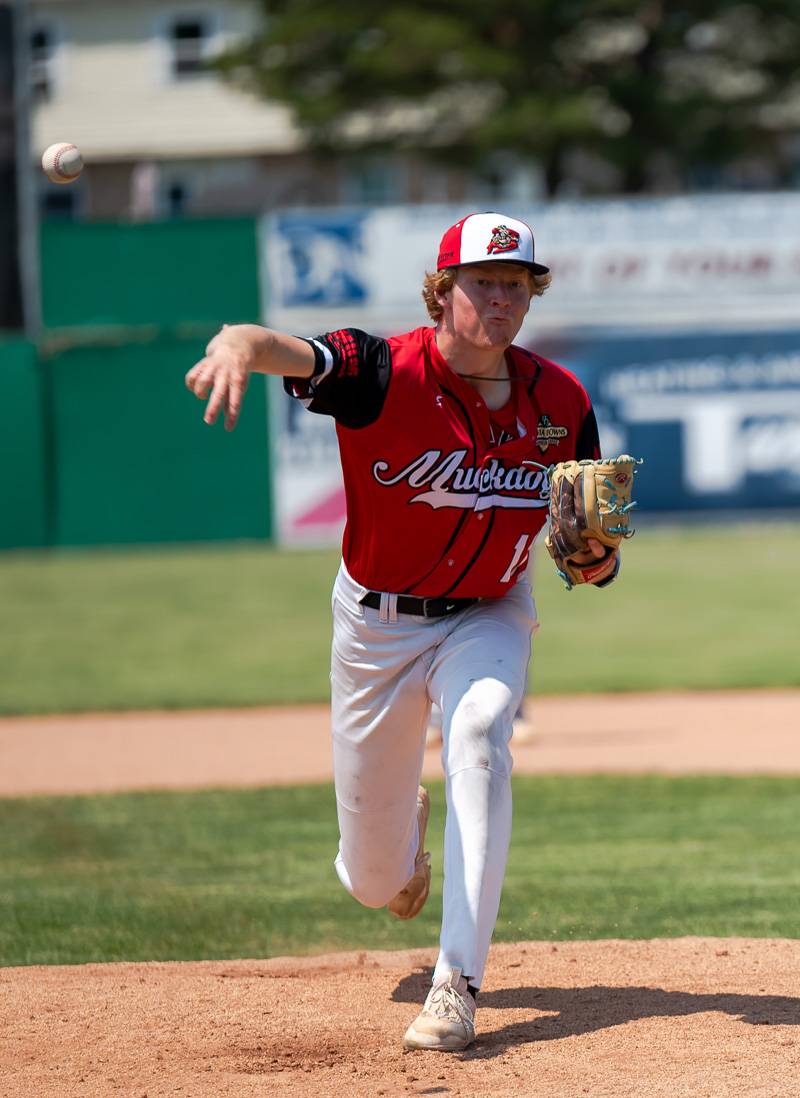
(236, 352)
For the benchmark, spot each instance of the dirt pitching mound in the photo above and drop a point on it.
(690, 1016)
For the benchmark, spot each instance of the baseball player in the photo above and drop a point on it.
(445, 434)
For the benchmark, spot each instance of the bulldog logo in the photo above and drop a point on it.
(503, 240)
(548, 434)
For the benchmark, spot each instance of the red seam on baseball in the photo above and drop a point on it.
(57, 163)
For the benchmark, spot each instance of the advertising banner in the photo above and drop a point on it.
(715, 415)
(308, 497)
(680, 316)
(700, 262)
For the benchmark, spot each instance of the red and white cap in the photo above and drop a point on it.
(487, 236)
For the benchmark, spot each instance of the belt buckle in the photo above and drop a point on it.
(448, 606)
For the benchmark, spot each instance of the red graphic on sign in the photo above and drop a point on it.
(329, 511)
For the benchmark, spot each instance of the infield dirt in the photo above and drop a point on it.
(730, 732)
(610, 1019)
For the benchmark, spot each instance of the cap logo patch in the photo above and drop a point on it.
(503, 240)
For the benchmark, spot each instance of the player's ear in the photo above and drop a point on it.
(531, 289)
(444, 297)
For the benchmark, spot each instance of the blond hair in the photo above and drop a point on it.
(441, 282)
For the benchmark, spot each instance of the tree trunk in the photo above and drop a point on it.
(554, 169)
(635, 177)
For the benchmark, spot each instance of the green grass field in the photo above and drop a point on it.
(695, 607)
(249, 873)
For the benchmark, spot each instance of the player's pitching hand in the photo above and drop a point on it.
(224, 372)
(597, 551)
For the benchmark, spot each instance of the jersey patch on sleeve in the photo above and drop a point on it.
(347, 347)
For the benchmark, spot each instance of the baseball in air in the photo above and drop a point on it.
(62, 163)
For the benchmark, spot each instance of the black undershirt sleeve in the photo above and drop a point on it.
(587, 444)
(351, 377)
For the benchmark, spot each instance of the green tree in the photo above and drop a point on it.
(648, 86)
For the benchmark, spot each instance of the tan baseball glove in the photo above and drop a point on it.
(588, 499)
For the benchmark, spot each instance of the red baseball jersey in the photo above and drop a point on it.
(444, 497)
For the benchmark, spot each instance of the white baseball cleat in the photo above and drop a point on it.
(410, 900)
(447, 1021)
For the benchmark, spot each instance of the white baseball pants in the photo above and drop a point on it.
(386, 670)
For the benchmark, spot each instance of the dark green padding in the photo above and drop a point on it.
(23, 500)
(134, 461)
(165, 274)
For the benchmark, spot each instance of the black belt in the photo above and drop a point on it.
(422, 608)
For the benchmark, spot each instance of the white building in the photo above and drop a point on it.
(125, 81)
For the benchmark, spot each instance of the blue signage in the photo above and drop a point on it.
(715, 416)
(322, 257)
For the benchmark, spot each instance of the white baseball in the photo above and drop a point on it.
(62, 163)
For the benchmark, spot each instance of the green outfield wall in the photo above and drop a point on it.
(168, 274)
(133, 460)
(24, 438)
(103, 444)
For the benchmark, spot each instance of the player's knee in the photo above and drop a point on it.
(370, 894)
(373, 889)
(480, 728)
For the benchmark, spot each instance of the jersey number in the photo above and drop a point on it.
(520, 558)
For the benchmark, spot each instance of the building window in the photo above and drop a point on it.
(189, 38)
(60, 203)
(373, 181)
(41, 63)
(177, 198)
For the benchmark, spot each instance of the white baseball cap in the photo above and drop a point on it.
(486, 236)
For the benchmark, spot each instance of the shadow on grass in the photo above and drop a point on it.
(557, 1012)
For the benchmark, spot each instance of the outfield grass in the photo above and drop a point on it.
(694, 608)
(249, 873)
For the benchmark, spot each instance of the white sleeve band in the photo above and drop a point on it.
(328, 361)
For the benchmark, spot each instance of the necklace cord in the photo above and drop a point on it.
(480, 377)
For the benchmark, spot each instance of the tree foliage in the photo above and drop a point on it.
(645, 85)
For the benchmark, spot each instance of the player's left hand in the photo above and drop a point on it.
(590, 504)
(597, 551)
